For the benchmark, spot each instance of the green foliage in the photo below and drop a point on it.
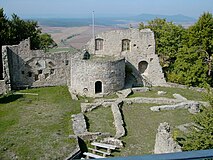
(3, 27)
(168, 39)
(15, 30)
(189, 68)
(202, 137)
(201, 34)
(46, 42)
(185, 54)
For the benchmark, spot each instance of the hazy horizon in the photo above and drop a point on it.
(109, 8)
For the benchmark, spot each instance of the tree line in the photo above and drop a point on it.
(14, 30)
(185, 53)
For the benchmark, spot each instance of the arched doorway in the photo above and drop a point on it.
(98, 87)
(142, 66)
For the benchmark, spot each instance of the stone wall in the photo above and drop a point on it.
(164, 142)
(3, 88)
(34, 68)
(141, 54)
(85, 74)
(5, 83)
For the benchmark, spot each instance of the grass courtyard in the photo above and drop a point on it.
(140, 122)
(37, 127)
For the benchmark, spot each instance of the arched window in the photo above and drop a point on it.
(99, 44)
(142, 66)
(98, 87)
(125, 45)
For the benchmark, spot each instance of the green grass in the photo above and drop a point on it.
(37, 127)
(142, 123)
(187, 93)
(101, 120)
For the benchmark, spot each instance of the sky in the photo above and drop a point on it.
(103, 8)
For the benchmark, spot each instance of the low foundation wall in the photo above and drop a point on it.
(3, 87)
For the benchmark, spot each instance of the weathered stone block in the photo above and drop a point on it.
(178, 96)
(124, 93)
(161, 93)
(118, 119)
(164, 142)
(79, 124)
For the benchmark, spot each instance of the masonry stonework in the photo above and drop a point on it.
(34, 68)
(3, 88)
(97, 75)
(115, 57)
(140, 54)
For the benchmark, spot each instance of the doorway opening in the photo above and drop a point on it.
(98, 87)
(142, 66)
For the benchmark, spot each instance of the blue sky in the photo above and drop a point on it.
(103, 8)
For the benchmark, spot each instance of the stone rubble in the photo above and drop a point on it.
(164, 142)
(178, 96)
(192, 106)
(124, 93)
(140, 89)
(160, 93)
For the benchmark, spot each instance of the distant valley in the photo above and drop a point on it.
(75, 32)
(113, 21)
(75, 37)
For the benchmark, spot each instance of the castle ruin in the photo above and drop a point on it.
(110, 62)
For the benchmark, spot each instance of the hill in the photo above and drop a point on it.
(179, 18)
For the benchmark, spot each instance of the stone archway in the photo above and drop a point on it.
(98, 87)
(142, 66)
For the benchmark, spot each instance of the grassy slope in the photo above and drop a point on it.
(37, 127)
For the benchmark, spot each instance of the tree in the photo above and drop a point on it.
(15, 30)
(201, 137)
(189, 68)
(46, 42)
(201, 35)
(3, 27)
(186, 55)
(193, 65)
(168, 38)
